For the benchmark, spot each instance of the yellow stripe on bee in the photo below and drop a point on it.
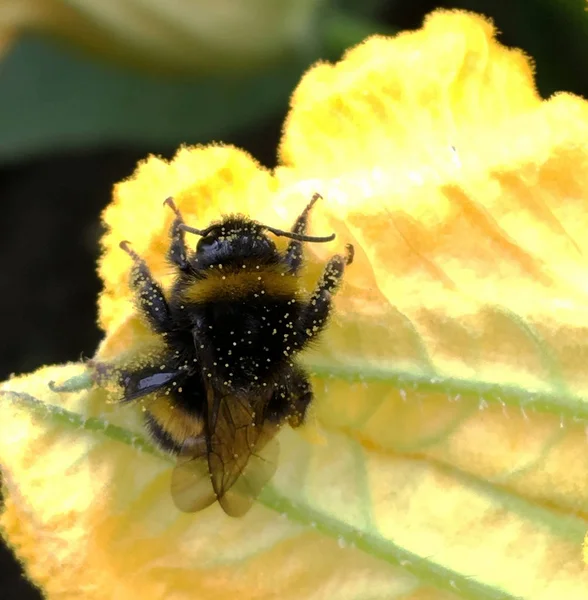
(177, 423)
(269, 282)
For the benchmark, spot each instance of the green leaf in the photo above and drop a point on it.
(54, 99)
(343, 30)
(179, 37)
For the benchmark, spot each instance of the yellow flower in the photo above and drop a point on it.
(450, 386)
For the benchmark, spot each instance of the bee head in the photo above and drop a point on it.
(237, 238)
(233, 240)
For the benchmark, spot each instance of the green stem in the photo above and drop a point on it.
(556, 401)
(423, 569)
(69, 419)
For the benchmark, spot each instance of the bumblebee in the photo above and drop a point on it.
(224, 378)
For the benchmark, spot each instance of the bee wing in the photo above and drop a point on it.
(242, 450)
(130, 383)
(232, 462)
(138, 385)
(190, 486)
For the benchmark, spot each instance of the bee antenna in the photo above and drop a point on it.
(170, 202)
(299, 237)
(279, 232)
(201, 232)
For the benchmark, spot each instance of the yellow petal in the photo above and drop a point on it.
(405, 102)
(88, 510)
(450, 384)
(466, 193)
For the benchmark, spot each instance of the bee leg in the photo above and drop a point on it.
(148, 293)
(177, 250)
(291, 399)
(300, 398)
(293, 256)
(317, 311)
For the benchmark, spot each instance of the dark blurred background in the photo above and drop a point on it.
(53, 193)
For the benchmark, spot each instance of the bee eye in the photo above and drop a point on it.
(206, 243)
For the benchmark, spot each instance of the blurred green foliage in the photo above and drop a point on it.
(52, 98)
(59, 95)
